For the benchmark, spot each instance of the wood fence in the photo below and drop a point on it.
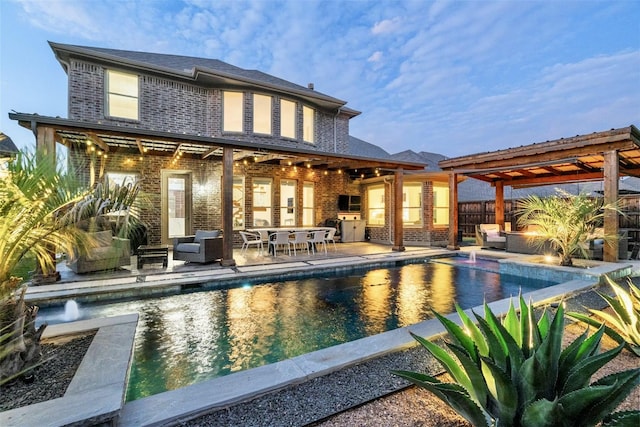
(484, 212)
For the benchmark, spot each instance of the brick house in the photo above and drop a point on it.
(221, 147)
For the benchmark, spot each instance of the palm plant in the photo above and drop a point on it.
(624, 324)
(40, 206)
(514, 373)
(567, 221)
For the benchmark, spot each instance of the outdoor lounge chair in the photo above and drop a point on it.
(203, 247)
(490, 236)
(108, 253)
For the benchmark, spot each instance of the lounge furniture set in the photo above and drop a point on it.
(490, 236)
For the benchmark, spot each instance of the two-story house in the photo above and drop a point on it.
(218, 146)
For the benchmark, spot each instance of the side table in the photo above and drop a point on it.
(148, 253)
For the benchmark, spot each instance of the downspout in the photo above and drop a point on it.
(335, 130)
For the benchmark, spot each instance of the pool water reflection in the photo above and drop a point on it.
(187, 338)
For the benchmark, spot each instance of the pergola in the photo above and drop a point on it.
(109, 139)
(598, 156)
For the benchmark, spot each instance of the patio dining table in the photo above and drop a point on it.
(289, 229)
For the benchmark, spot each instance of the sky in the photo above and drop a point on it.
(447, 77)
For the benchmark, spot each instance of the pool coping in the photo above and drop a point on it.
(180, 405)
(170, 283)
(97, 391)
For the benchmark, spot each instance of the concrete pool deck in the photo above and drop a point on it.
(176, 406)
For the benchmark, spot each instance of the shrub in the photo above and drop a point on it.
(514, 372)
(624, 325)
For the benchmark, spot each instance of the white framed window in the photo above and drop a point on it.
(412, 204)
(287, 119)
(261, 114)
(308, 124)
(375, 205)
(262, 202)
(288, 202)
(121, 95)
(238, 202)
(308, 206)
(440, 204)
(232, 111)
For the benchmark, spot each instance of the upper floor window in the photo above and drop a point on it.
(440, 204)
(122, 94)
(287, 119)
(261, 114)
(375, 205)
(412, 204)
(308, 120)
(232, 111)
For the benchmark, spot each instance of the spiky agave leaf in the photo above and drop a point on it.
(589, 405)
(446, 360)
(458, 334)
(582, 370)
(503, 396)
(474, 332)
(478, 387)
(622, 419)
(452, 394)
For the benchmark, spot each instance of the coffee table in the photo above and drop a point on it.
(150, 254)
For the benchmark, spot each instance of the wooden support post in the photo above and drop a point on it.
(46, 146)
(453, 212)
(500, 204)
(227, 208)
(611, 173)
(398, 224)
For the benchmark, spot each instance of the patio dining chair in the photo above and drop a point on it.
(300, 241)
(249, 239)
(317, 239)
(279, 238)
(330, 237)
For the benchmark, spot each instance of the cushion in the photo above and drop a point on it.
(102, 238)
(200, 234)
(103, 252)
(193, 248)
(494, 236)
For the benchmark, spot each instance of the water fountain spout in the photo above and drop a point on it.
(71, 311)
(472, 257)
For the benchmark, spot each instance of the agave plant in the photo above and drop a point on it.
(624, 325)
(40, 207)
(565, 220)
(514, 372)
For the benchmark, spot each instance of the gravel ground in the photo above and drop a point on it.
(50, 379)
(364, 395)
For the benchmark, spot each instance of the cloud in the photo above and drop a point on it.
(375, 57)
(387, 26)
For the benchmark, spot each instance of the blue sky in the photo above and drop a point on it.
(452, 77)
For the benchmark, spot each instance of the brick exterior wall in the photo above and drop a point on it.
(180, 107)
(174, 106)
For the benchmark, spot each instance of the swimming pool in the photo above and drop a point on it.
(191, 337)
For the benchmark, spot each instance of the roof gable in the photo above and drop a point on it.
(204, 70)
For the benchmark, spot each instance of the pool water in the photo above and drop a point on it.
(187, 338)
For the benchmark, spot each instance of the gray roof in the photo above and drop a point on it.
(6, 145)
(358, 147)
(430, 159)
(191, 67)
